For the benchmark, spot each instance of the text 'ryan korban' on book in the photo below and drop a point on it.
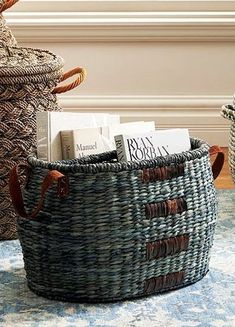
(145, 146)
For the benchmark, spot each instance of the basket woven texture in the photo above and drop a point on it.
(28, 84)
(110, 231)
(6, 35)
(228, 112)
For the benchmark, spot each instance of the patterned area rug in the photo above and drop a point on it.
(208, 303)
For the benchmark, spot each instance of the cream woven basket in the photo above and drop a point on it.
(6, 35)
(228, 112)
(29, 79)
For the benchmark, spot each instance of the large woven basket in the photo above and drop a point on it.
(6, 35)
(228, 112)
(29, 79)
(107, 231)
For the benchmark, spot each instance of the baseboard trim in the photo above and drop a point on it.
(145, 101)
(201, 114)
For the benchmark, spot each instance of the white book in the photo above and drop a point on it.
(49, 125)
(145, 146)
(82, 142)
(86, 141)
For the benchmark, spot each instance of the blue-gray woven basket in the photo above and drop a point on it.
(228, 112)
(110, 231)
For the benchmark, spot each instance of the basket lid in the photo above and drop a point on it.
(25, 62)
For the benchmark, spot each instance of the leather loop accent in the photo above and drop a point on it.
(167, 247)
(164, 282)
(16, 193)
(162, 173)
(219, 160)
(165, 208)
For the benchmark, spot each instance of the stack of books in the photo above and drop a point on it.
(74, 135)
(50, 124)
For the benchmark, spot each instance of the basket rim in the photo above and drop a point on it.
(106, 162)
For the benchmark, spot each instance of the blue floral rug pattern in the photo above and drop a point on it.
(208, 303)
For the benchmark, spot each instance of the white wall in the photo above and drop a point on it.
(175, 68)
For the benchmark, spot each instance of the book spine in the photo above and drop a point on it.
(67, 144)
(42, 137)
(120, 147)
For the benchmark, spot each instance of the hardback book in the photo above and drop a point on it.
(146, 146)
(81, 142)
(49, 125)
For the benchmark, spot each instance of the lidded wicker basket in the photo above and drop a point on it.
(94, 229)
(6, 35)
(29, 79)
(228, 112)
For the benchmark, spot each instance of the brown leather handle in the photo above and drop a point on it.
(219, 160)
(8, 4)
(65, 88)
(16, 193)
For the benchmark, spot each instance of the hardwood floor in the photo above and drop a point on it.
(224, 181)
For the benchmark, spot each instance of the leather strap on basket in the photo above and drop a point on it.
(8, 4)
(219, 160)
(65, 88)
(16, 193)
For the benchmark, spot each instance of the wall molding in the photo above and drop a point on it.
(63, 27)
(201, 114)
(148, 102)
(124, 5)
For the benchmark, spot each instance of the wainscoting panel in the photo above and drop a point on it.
(175, 68)
(200, 114)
